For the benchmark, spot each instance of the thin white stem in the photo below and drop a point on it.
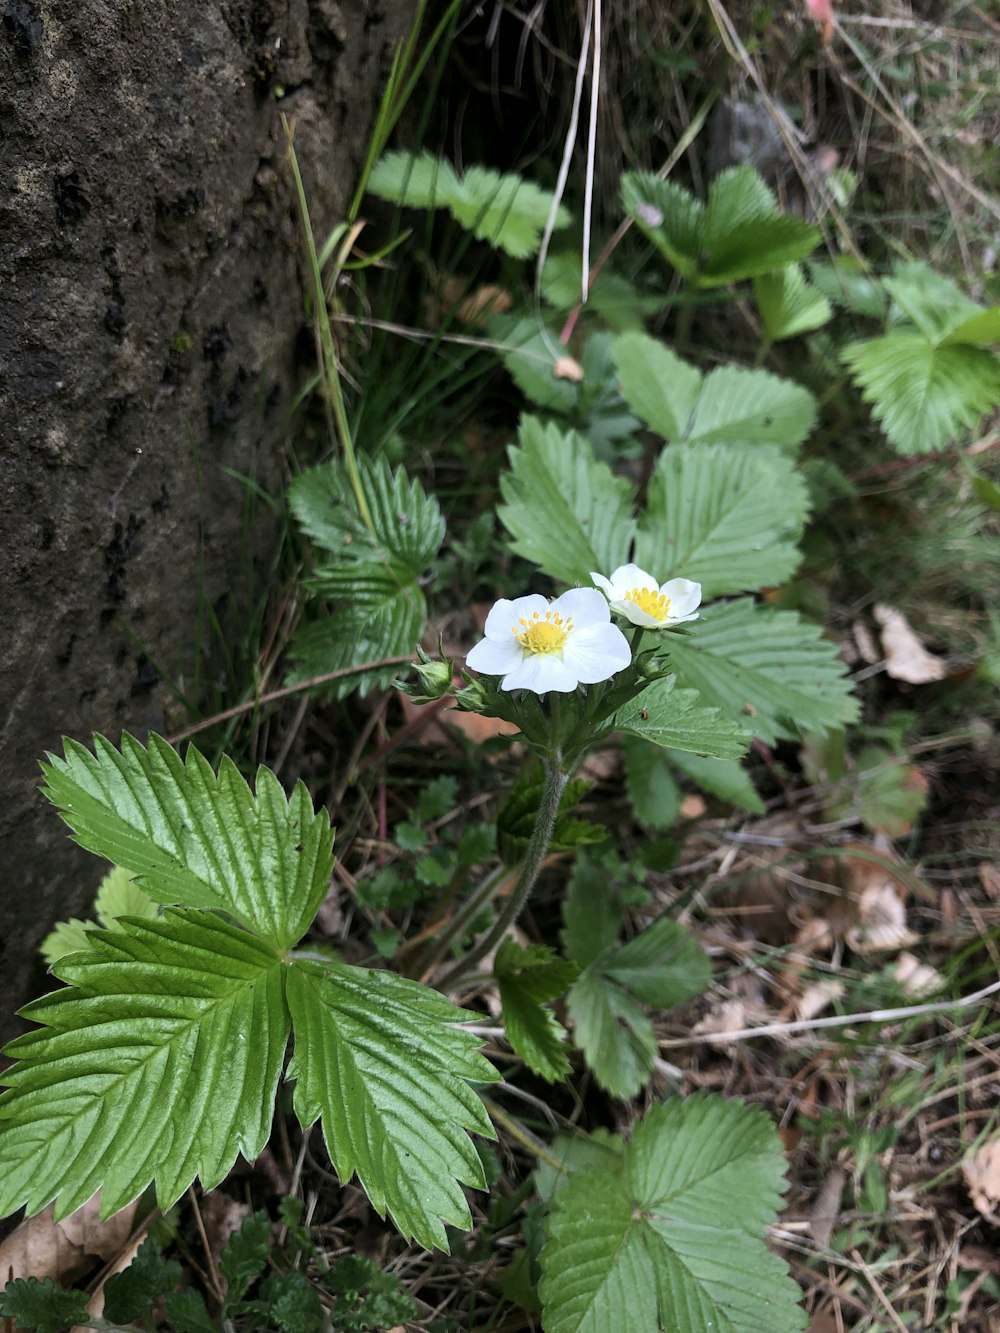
(838, 1020)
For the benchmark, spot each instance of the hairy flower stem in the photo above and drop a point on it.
(541, 836)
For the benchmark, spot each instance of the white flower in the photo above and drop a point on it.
(638, 597)
(540, 645)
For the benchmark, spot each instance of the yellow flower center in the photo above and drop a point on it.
(650, 600)
(539, 635)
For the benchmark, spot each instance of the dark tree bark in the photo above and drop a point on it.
(151, 305)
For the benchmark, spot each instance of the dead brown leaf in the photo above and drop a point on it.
(825, 1211)
(41, 1247)
(989, 877)
(981, 1171)
(906, 657)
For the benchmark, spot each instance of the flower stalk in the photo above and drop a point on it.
(538, 846)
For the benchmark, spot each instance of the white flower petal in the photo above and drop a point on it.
(685, 597)
(605, 585)
(631, 611)
(627, 577)
(585, 606)
(597, 652)
(505, 614)
(495, 657)
(541, 672)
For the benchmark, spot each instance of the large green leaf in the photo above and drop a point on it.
(673, 1240)
(378, 1059)
(924, 394)
(117, 895)
(159, 1063)
(195, 838)
(505, 210)
(770, 669)
(739, 233)
(726, 517)
(679, 719)
(564, 510)
(662, 966)
(729, 405)
(528, 980)
(725, 778)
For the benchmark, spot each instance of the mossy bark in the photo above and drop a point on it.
(152, 309)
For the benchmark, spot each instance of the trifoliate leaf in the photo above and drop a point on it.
(187, 1312)
(378, 1059)
(729, 405)
(725, 778)
(159, 1063)
(42, 1305)
(737, 234)
(652, 788)
(923, 395)
(674, 1240)
(505, 210)
(662, 966)
(727, 517)
(788, 304)
(679, 719)
(564, 510)
(528, 980)
(769, 669)
(195, 838)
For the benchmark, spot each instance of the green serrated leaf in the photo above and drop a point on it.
(788, 304)
(245, 1255)
(737, 234)
(930, 300)
(65, 938)
(591, 915)
(530, 353)
(505, 210)
(600, 1150)
(290, 1303)
(771, 670)
(986, 491)
(187, 1312)
(662, 966)
(408, 527)
(379, 1060)
(725, 778)
(194, 838)
(617, 300)
(844, 282)
(518, 815)
(564, 510)
(652, 788)
(528, 980)
(42, 1305)
(730, 405)
(726, 517)
(132, 1293)
(923, 395)
(613, 1031)
(675, 1240)
(679, 719)
(159, 1063)
(418, 180)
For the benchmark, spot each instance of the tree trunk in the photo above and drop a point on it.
(149, 271)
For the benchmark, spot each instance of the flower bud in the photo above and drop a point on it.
(434, 678)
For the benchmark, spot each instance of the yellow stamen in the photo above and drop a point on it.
(542, 636)
(650, 600)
